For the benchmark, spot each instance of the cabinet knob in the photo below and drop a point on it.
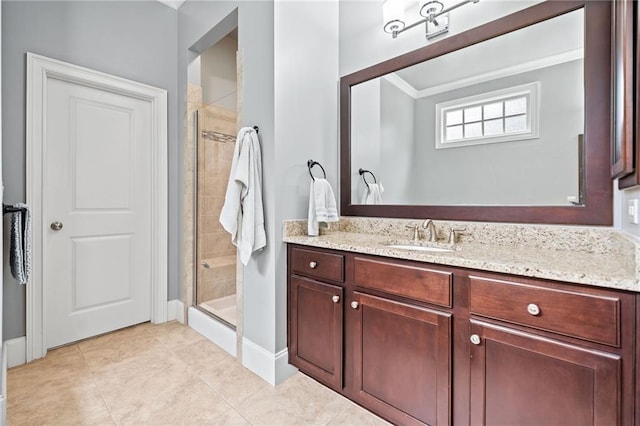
(475, 339)
(533, 309)
(354, 304)
(335, 299)
(313, 265)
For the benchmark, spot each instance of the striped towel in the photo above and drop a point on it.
(20, 244)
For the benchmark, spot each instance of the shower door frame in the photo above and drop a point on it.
(196, 252)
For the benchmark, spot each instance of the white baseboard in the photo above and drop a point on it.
(273, 368)
(217, 332)
(16, 351)
(175, 311)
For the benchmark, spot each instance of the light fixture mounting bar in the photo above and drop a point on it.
(431, 19)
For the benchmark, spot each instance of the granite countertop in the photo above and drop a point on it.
(608, 268)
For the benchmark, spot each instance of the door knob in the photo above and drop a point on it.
(56, 226)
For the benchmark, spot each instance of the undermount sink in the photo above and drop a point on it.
(420, 248)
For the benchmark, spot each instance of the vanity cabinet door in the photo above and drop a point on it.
(401, 360)
(522, 379)
(315, 329)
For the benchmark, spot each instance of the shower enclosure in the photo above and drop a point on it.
(215, 268)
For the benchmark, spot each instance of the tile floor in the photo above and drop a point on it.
(164, 375)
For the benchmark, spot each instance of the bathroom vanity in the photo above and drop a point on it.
(532, 324)
(422, 341)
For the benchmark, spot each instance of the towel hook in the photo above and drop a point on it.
(257, 129)
(310, 165)
(362, 172)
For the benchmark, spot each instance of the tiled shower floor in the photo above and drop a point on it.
(223, 307)
(164, 375)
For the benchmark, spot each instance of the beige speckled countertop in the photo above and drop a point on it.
(599, 257)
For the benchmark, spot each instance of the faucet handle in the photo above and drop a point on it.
(454, 233)
(416, 235)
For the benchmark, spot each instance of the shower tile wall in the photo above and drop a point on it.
(216, 143)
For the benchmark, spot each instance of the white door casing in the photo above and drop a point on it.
(111, 211)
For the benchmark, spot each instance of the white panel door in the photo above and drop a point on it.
(97, 209)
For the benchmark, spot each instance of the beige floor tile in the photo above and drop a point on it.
(201, 356)
(234, 382)
(165, 375)
(186, 400)
(298, 401)
(125, 334)
(355, 415)
(231, 418)
(46, 376)
(121, 349)
(221, 371)
(158, 390)
(74, 404)
(173, 335)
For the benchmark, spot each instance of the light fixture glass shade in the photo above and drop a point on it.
(430, 7)
(393, 15)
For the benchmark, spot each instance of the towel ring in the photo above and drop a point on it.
(310, 165)
(362, 172)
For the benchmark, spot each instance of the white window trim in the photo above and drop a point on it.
(531, 90)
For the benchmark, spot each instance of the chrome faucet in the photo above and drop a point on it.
(431, 227)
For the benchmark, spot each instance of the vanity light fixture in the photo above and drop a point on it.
(434, 15)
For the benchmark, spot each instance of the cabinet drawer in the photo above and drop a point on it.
(317, 264)
(586, 316)
(413, 282)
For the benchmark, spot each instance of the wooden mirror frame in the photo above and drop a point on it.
(598, 187)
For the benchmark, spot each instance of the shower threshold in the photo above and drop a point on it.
(223, 308)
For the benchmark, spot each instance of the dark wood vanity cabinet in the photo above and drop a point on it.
(401, 360)
(426, 344)
(519, 378)
(549, 353)
(315, 312)
(389, 354)
(316, 329)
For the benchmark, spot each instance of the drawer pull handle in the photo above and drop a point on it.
(313, 265)
(354, 304)
(533, 309)
(335, 299)
(475, 339)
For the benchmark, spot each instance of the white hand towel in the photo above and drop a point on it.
(243, 214)
(322, 205)
(373, 194)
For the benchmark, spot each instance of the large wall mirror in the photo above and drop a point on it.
(509, 122)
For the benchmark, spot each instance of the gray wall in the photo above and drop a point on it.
(134, 40)
(363, 43)
(289, 51)
(540, 171)
(365, 134)
(397, 143)
(306, 118)
(197, 22)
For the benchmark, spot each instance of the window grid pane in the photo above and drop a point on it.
(487, 119)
